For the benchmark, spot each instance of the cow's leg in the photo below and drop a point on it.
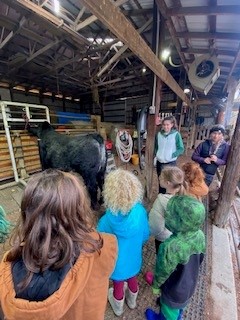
(91, 183)
(100, 183)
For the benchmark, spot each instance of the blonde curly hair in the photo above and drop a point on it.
(121, 191)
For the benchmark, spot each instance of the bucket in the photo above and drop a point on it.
(135, 159)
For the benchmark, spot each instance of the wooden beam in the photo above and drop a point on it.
(121, 51)
(13, 33)
(208, 35)
(230, 179)
(118, 24)
(93, 18)
(204, 10)
(58, 23)
(163, 9)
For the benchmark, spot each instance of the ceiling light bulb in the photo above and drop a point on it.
(144, 69)
(56, 6)
(186, 90)
(165, 54)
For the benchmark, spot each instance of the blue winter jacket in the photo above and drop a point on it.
(132, 231)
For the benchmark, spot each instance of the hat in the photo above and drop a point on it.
(218, 128)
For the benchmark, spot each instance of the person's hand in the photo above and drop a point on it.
(207, 160)
(156, 291)
(213, 158)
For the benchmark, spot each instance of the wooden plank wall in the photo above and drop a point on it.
(26, 154)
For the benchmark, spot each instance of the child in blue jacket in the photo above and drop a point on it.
(126, 218)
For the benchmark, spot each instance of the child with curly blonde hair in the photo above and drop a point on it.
(126, 218)
(195, 178)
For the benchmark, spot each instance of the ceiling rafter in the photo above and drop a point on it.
(230, 53)
(13, 33)
(212, 20)
(204, 10)
(163, 9)
(93, 18)
(234, 64)
(115, 20)
(36, 54)
(121, 51)
(58, 23)
(208, 35)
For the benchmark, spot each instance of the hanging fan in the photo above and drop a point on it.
(204, 72)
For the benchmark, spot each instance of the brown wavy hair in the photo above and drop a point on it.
(173, 120)
(55, 224)
(194, 175)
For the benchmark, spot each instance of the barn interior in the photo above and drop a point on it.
(93, 66)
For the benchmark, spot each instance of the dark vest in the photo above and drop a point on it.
(207, 151)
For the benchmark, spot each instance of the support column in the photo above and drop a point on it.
(232, 85)
(156, 99)
(230, 179)
(151, 132)
(182, 83)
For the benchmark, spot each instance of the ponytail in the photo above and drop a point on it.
(183, 187)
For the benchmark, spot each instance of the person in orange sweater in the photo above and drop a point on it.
(195, 178)
(59, 266)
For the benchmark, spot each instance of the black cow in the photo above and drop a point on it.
(85, 155)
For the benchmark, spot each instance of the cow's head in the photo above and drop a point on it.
(40, 130)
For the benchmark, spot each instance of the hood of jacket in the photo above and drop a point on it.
(184, 214)
(89, 268)
(167, 134)
(125, 226)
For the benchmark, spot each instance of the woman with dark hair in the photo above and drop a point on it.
(58, 267)
(212, 153)
(168, 146)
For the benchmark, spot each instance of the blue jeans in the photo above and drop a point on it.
(208, 178)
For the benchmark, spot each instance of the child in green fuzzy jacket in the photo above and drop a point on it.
(4, 226)
(179, 257)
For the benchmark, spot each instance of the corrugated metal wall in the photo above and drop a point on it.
(121, 110)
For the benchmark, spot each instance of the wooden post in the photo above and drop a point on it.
(151, 132)
(232, 85)
(151, 121)
(230, 179)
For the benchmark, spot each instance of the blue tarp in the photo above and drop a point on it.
(65, 117)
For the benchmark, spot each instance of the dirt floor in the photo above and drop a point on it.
(10, 199)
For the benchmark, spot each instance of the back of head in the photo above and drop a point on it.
(175, 176)
(184, 214)
(193, 173)
(122, 190)
(56, 220)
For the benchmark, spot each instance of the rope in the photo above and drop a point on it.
(25, 117)
(124, 145)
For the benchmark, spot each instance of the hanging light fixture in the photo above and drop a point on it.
(56, 6)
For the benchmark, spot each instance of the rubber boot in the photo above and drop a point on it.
(131, 298)
(151, 315)
(149, 277)
(117, 305)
